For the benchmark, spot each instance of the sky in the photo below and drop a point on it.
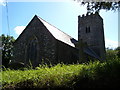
(63, 15)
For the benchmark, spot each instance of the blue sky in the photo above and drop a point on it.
(63, 15)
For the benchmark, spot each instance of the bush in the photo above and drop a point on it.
(88, 75)
(111, 54)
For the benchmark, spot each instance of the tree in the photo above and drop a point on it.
(7, 49)
(97, 6)
(118, 51)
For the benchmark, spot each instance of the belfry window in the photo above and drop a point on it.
(87, 29)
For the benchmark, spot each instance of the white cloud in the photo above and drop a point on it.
(19, 29)
(3, 2)
(111, 44)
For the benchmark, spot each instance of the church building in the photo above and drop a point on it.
(42, 42)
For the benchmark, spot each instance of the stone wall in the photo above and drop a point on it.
(66, 53)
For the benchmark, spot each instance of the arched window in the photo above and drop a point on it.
(31, 55)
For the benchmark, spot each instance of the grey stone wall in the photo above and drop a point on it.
(49, 47)
(66, 53)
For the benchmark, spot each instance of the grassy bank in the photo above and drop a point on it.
(89, 75)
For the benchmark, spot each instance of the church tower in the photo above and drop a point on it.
(91, 32)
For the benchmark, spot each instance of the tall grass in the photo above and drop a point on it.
(89, 75)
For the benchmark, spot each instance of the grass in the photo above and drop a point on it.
(90, 75)
(57, 76)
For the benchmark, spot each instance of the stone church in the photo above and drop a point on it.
(43, 42)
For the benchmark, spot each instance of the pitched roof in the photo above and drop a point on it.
(58, 34)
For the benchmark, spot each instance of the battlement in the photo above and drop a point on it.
(84, 16)
(88, 14)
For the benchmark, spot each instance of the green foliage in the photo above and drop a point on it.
(87, 75)
(90, 75)
(118, 51)
(7, 45)
(111, 54)
(97, 6)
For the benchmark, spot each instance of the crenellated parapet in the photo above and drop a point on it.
(89, 15)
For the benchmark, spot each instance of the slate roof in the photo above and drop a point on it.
(58, 34)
